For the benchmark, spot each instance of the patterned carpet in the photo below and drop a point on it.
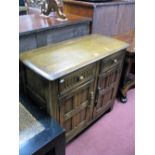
(112, 134)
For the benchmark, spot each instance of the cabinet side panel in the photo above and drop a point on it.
(36, 87)
(52, 100)
(27, 42)
(65, 33)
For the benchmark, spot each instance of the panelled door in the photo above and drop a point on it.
(76, 108)
(106, 90)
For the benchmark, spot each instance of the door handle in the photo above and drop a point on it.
(97, 95)
(91, 98)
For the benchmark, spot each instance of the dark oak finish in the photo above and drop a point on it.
(109, 18)
(68, 79)
(128, 74)
(76, 109)
(57, 60)
(108, 80)
(37, 31)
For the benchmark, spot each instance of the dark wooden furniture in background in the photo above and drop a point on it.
(36, 31)
(39, 134)
(128, 74)
(75, 81)
(109, 18)
(22, 7)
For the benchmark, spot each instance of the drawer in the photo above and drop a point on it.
(112, 61)
(76, 78)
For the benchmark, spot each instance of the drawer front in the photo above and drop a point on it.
(76, 78)
(109, 78)
(112, 61)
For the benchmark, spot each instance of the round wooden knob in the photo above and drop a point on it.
(62, 81)
(99, 88)
(81, 77)
(115, 60)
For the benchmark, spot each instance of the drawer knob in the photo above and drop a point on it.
(99, 88)
(81, 77)
(115, 60)
(62, 81)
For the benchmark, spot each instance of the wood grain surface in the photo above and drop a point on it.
(109, 18)
(35, 22)
(54, 61)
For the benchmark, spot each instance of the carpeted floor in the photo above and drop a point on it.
(112, 134)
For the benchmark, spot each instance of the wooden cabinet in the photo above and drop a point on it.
(108, 18)
(36, 31)
(75, 81)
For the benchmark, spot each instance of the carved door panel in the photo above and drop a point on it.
(76, 109)
(106, 90)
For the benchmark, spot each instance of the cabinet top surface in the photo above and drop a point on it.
(55, 61)
(34, 23)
